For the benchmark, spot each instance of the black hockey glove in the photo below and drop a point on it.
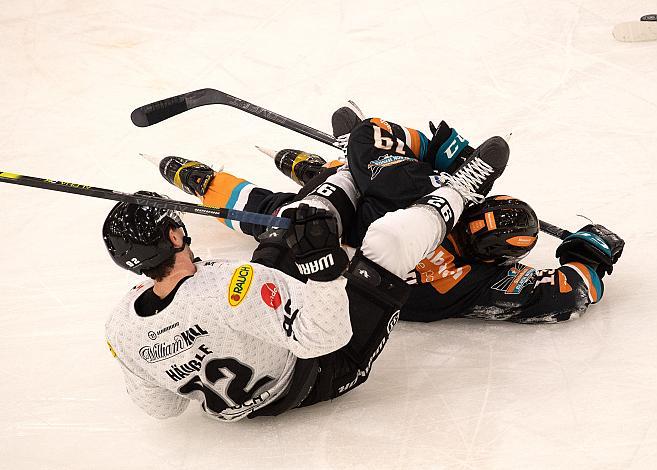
(447, 150)
(315, 244)
(593, 245)
(272, 251)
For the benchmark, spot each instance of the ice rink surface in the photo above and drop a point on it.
(458, 394)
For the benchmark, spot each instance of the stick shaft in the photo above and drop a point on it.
(553, 230)
(142, 200)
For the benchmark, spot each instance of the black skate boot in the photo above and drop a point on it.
(474, 179)
(297, 165)
(343, 122)
(190, 176)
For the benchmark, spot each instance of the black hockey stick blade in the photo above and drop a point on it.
(142, 200)
(158, 111)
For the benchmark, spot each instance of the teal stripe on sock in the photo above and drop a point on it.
(424, 144)
(232, 200)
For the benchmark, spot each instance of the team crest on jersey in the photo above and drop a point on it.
(375, 166)
(516, 280)
(239, 284)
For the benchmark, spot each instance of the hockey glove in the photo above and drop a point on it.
(593, 245)
(447, 150)
(272, 251)
(315, 244)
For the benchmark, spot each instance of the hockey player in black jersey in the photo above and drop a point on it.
(476, 271)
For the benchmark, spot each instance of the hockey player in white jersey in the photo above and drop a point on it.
(250, 338)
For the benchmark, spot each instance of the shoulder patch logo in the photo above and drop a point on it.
(270, 295)
(515, 280)
(239, 284)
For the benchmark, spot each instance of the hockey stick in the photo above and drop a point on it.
(553, 230)
(142, 200)
(158, 111)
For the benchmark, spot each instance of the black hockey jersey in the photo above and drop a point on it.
(445, 285)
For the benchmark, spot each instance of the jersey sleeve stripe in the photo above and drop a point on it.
(382, 124)
(415, 142)
(590, 278)
(424, 145)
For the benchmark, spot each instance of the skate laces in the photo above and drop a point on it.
(474, 174)
(464, 189)
(341, 142)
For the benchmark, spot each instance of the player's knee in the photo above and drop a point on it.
(362, 133)
(400, 239)
(360, 142)
(381, 245)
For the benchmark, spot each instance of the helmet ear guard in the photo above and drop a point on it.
(137, 237)
(500, 230)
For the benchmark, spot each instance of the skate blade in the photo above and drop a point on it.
(151, 158)
(266, 151)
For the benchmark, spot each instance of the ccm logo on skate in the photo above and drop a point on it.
(317, 265)
(270, 295)
(239, 284)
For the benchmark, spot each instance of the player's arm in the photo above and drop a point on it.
(308, 318)
(561, 294)
(156, 401)
(153, 399)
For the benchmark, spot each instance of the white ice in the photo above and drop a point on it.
(454, 394)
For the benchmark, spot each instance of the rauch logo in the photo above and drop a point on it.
(239, 284)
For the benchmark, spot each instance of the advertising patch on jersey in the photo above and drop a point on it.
(167, 349)
(270, 295)
(375, 166)
(515, 281)
(239, 284)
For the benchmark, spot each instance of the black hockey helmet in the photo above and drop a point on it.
(502, 229)
(137, 237)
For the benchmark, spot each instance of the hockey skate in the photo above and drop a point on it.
(192, 177)
(343, 121)
(346, 118)
(474, 179)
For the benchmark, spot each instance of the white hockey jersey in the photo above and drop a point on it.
(229, 339)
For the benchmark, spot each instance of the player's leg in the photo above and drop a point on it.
(384, 167)
(393, 245)
(445, 150)
(222, 189)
